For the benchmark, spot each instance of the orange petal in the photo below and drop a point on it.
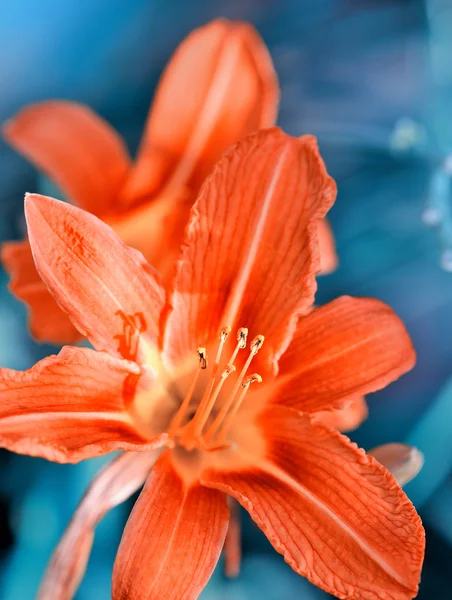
(114, 484)
(345, 419)
(251, 254)
(156, 229)
(47, 322)
(77, 149)
(233, 543)
(349, 347)
(327, 248)
(338, 517)
(172, 540)
(69, 407)
(219, 86)
(403, 461)
(110, 293)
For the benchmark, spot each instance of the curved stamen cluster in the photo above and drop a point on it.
(195, 433)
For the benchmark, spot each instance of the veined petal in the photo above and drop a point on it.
(349, 347)
(108, 290)
(219, 86)
(345, 419)
(114, 484)
(251, 253)
(337, 516)
(403, 461)
(172, 540)
(70, 406)
(47, 322)
(77, 149)
(327, 248)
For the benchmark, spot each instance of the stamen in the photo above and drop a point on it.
(225, 331)
(242, 334)
(255, 345)
(230, 417)
(206, 404)
(189, 434)
(202, 355)
(202, 419)
(183, 409)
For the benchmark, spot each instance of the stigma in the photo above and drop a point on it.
(210, 425)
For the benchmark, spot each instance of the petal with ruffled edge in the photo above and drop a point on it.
(337, 516)
(114, 484)
(70, 407)
(219, 86)
(47, 322)
(345, 419)
(251, 255)
(108, 290)
(77, 149)
(347, 348)
(172, 540)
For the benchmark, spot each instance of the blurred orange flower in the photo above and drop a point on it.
(218, 414)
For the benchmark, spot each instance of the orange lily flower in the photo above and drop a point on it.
(191, 383)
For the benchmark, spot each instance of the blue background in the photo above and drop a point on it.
(352, 72)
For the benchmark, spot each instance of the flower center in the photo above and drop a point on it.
(201, 431)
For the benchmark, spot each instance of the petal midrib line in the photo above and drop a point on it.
(331, 356)
(210, 112)
(279, 474)
(240, 282)
(121, 417)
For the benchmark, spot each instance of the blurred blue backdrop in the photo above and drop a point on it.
(373, 80)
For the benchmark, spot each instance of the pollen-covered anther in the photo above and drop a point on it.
(255, 377)
(227, 371)
(256, 344)
(242, 334)
(225, 331)
(202, 354)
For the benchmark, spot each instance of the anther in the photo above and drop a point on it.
(255, 377)
(242, 334)
(225, 331)
(227, 371)
(256, 344)
(202, 354)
